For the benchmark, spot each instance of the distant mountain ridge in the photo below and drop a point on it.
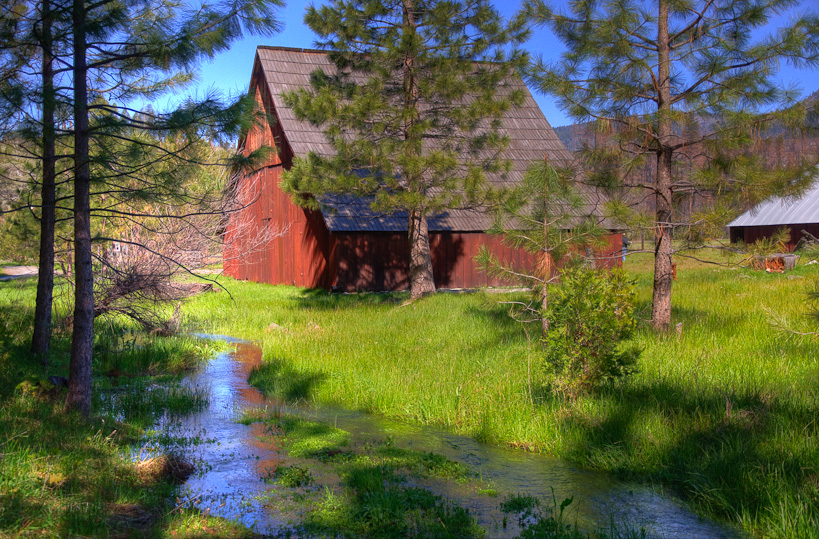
(783, 145)
(778, 145)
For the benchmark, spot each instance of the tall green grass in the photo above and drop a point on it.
(62, 475)
(723, 413)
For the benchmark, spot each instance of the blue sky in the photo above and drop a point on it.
(230, 71)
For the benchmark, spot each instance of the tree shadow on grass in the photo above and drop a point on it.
(692, 317)
(509, 329)
(67, 476)
(277, 378)
(505, 327)
(16, 326)
(322, 300)
(706, 320)
(742, 455)
(61, 468)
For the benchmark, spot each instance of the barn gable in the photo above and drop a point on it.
(346, 245)
(273, 240)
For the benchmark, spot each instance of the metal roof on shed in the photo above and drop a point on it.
(783, 211)
(530, 138)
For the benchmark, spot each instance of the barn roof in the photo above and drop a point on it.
(530, 138)
(346, 213)
(783, 211)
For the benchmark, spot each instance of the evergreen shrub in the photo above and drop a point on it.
(591, 318)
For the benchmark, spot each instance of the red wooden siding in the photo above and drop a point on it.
(272, 240)
(380, 261)
(281, 243)
(750, 234)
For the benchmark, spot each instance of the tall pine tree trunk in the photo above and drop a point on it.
(661, 302)
(79, 379)
(421, 277)
(546, 261)
(41, 339)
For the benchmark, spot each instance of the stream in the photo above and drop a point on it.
(231, 460)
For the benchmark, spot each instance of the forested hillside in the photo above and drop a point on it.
(778, 144)
(783, 144)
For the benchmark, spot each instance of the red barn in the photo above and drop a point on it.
(346, 246)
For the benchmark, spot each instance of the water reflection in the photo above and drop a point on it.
(233, 460)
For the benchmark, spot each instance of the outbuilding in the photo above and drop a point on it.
(345, 245)
(799, 215)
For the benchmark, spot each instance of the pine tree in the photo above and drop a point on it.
(110, 55)
(646, 70)
(136, 49)
(546, 215)
(413, 110)
(41, 336)
(28, 32)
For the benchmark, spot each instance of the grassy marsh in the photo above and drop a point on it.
(62, 475)
(723, 414)
(363, 490)
(372, 488)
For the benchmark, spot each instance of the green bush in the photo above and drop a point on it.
(591, 318)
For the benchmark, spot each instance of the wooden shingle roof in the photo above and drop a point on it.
(530, 138)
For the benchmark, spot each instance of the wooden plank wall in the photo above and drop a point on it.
(750, 234)
(380, 261)
(272, 240)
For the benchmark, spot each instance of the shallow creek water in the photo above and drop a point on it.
(232, 460)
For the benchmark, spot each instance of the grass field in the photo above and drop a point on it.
(62, 475)
(723, 414)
